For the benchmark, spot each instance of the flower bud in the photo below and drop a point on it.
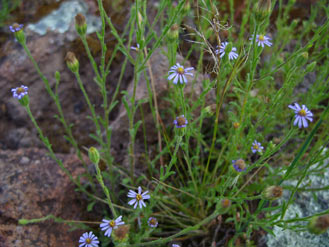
(210, 109)
(186, 7)
(263, 10)
(272, 192)
(310, 67)
(173, 33)
(57, 76)
(17, 29)
(93, 155)
(236, 125)
(80, 24)
(302, 59)
(72, 62)
(318, 224)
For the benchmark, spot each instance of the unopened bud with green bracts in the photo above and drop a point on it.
(80, 24)
(72, 62)
(93, 155)
(173, 32)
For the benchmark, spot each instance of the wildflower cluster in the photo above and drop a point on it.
(227, 183)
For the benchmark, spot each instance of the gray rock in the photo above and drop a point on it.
(62, 18)
(305, 204)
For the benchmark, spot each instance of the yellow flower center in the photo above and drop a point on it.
(153, 221)
(180, 70)
(181, 121)
(241, 164)
(139, 197)
(88, 241)
(256, 146)
(261, 38)
(112, 223)
(302, 113)
(20, 90)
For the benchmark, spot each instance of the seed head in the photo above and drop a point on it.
(318, 224)
(121, 234)
(272, 192)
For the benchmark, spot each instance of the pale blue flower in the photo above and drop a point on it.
(178, 73)
(109, 225)
(256, 147)
(19, 92)
(302, 115)
(231, 55)
(138, 197)
(88, 240)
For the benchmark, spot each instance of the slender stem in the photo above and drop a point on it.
(105, 189)
(91, 107)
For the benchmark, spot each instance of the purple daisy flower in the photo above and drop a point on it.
(88, 240)
(302, 115)
(178, 73)
(180, 122)
(109, 225)
(138, 197)
(256, 147)
(239, 165)
(153, 222)
(231, 55)
(136, 48)
(19, 92)
(16, 27)
(262, 40)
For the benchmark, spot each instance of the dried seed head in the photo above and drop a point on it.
(273, 192)
(318, 224)
(121, 234)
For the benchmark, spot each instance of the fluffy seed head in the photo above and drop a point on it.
(273, 192)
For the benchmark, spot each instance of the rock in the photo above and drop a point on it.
(61, 18)
(305, 204)
(33, 186)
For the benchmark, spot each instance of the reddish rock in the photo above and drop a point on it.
(32, 186)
